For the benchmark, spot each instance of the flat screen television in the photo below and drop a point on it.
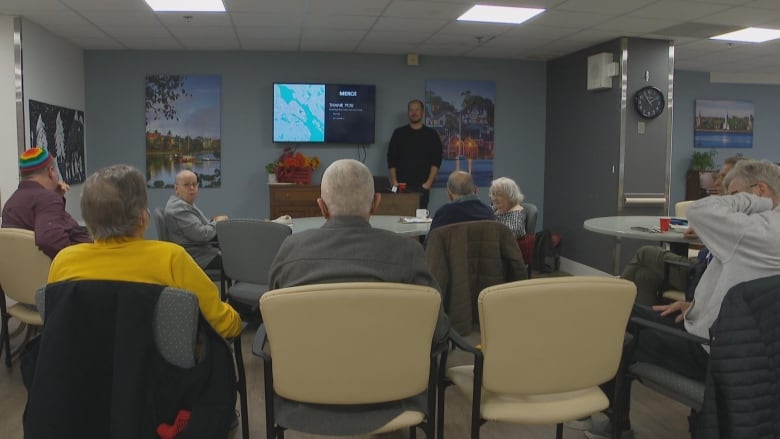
(324, 113)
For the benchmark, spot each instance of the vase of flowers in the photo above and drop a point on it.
(293, 167)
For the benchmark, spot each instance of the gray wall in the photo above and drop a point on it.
(583, 145)
(689, 86)
(115, 113)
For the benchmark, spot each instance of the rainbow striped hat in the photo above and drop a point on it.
(33, 159)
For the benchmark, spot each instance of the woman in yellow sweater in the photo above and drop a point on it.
(114, 206)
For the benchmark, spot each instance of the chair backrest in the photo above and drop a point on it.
(350, 343)
(175, 324)
(248, 248)
(24, 268)
(553, 334)
(159, 222)
(530, 218)
(681, 208)
(467, 257)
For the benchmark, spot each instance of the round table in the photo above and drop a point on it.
(621, 226)
(387, 222)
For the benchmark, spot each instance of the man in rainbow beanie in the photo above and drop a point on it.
(38, 205)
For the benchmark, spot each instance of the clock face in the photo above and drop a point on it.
(649, 102)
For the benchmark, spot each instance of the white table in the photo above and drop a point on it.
(621, 227)
(387, 222)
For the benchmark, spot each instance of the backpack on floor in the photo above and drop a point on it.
(546, 256)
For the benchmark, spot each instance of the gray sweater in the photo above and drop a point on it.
(742, 232)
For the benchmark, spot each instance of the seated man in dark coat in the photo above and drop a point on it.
(464, 204)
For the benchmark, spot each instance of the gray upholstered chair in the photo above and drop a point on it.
(175, 331)
(546, 346)
(248, 248)
(349, 358)
(159, 222)
(24, 268)
(532, 213)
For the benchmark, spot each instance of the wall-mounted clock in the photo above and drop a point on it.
(649, 102)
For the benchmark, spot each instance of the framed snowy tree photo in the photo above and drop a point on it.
(60, 130)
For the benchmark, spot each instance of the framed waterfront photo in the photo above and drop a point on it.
(183, 129)
(723, 124)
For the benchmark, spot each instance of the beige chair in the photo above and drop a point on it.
(349, 358)
(681, 208)
(23, 270)
(547, 344)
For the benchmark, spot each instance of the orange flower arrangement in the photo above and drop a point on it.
(291, 165)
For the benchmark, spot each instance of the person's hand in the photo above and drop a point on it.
(690, 234)
(427, 186)
(62, 187)
(219, 218)
(679, 306)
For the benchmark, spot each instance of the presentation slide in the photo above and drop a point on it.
(349, 113)
(330, 113)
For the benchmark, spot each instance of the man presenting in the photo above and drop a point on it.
(188, 226)
(414, 154)
(38, 205)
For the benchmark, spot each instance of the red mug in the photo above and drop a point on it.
(401, 187)
(665, 223)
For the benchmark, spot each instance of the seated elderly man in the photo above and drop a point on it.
(38, 205)
(742, 232)
(464, 204)
(114, 206)
(347, 248)
(646, 267)
(188, 226)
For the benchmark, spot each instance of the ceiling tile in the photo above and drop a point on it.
(611, 7)
(679, 11)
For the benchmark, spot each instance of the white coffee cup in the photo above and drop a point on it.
(421, 213)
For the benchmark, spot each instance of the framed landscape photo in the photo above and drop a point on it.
(723, 124)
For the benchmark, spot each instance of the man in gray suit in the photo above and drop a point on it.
(347, 248)
(188, 226)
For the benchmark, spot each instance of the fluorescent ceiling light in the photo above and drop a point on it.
(186, 5)
(750, 35)
(499, 14)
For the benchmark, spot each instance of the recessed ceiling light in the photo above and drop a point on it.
(186, 5)
(499, 14)
(750, 35)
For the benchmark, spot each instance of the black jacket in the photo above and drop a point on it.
(98, 372)
(742, 396)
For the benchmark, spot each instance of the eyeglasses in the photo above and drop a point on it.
(744, 190)
(188, 185)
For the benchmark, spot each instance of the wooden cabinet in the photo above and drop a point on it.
(699, 184)
(300, 201)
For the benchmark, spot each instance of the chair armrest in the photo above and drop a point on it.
(669, 330)
(461, 343)
(259, 343)
(678, 262)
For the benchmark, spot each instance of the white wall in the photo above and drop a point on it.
(54, 74)
(9, 176)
